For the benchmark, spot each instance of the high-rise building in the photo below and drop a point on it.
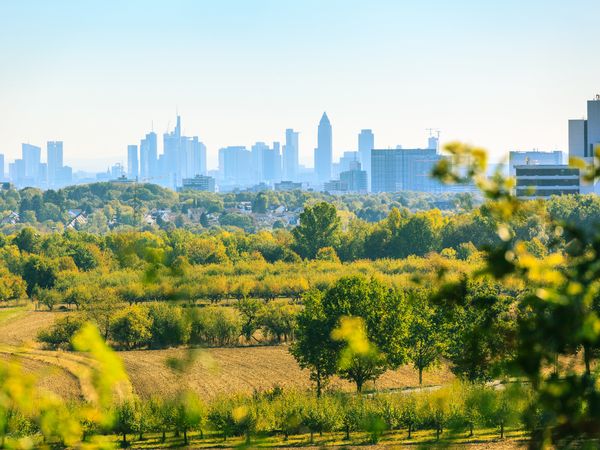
(1, 167)
(183, 157)
(584, 138)
(324, 151)
(133, 167)
(401, 169)
(366, 143)
(172, 151)
(354, 178)
(148, 157)
(31, 155)
(593, 125)
(290, 155)
(533, 157)
(234, 166)
(54, 160)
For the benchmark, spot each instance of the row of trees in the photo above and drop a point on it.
(458, 410)
(360, 327)
(161, 325)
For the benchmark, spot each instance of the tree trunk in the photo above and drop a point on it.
(318, 386)
(312, 438)
(587, 358)
(410, 431)
(124, 443)
(347, 437)
(164, 436)
(470, 430)
(501, 430)
(248, 437)
(359, 386)
(185, 440)
(420, 376)
(437, 433)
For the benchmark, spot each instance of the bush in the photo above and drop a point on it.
(130, 328)
(60, 334)
(215, 325)
(170, 327)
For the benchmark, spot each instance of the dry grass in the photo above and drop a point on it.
(22, 327)
(215, 371)
(226, 370)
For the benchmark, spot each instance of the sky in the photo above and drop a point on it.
(98, 75)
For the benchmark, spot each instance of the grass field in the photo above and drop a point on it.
(214, 371)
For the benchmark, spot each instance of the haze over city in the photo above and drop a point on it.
(98, 76)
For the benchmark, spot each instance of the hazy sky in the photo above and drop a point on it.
(96, 74)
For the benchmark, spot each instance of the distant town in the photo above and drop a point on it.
(182, 165)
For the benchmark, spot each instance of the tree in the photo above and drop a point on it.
(124, 420)
(190, 414)
(169, 325)
(250, 310)
(38, 272)
(131, 327)
(426, 338)
(319, 227)
(312, 348)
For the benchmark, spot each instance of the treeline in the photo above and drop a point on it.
(162, 325)
(192, 263)
(122, 204)
(459, 410)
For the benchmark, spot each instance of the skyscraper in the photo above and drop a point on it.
(54, 158)
(1, 167)
(593, 125)
(148, 157)
(324, 150)
(290, 155)
(31, 160)
(366, 143)
(133, 168)
(234, 166)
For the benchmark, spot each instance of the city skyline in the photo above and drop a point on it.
(242, 73)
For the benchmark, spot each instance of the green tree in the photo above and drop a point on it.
(427, 340)
(131, 327)
(319, 227)
(39, 272)
(312, 348)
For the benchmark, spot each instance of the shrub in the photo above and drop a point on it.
(170, 327)
(59, 335)
(130, 328)
(215, 325)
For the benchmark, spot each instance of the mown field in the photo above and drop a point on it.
(214, 371)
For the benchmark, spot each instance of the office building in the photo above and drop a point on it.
(324, 151)
(543, 181)
(288, 186)
(355, 179)
(399, 169)
(533, 157)
(235, 164)
(31, 156)
(366, 143)
(291, 155)
(54, 161)
(132, 162)
(1, 167)
(584, 139)
(149, 157)
(199, 183)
